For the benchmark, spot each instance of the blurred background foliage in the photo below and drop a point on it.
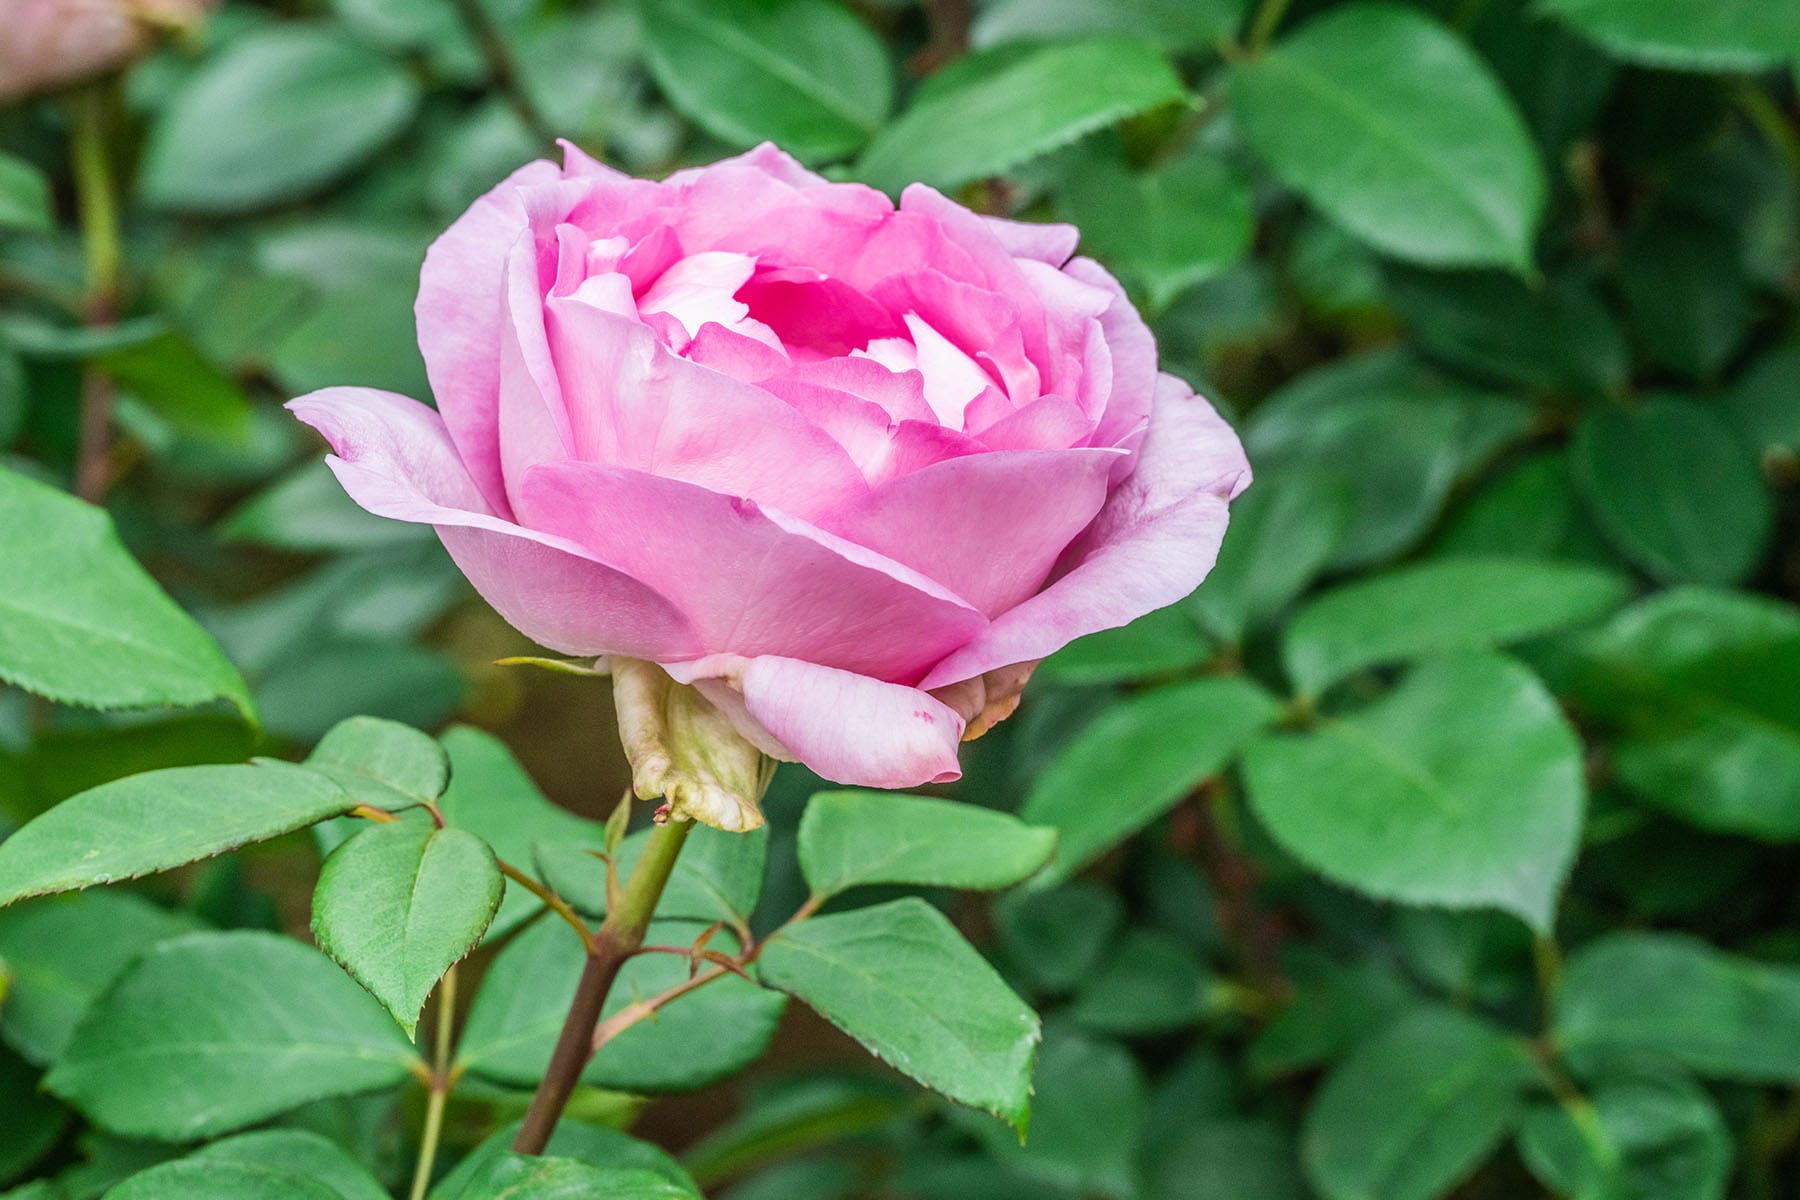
(1442, 844)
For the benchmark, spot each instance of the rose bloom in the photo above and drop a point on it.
(849, 469)
(46, 44)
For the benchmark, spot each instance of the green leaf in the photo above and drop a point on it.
(519, 1177)
(1151, 984)
(1088, 1105)
(1433, 607)
(571, 1139)
(1687, 291)
(718, 877)
(34, 1122)
(82, 623)
(182, 386)
(988, 114)
(898, 978)
(214, 1031)
(492, 797)
(802, 73)
(793, 1115)
(1055, 937)
(1173, 24)
(852, 838)
(1397, 436)
(296, 1152)
(1762, 406)
(1699, 687)
(1671, 997)
(304, 695)
(383, 764)
(161, 819)
(1333, 1006)
(1637, 467)
(1391, 125)
(274, 115)
(24, 196)
(1463, 787)
(308, 510)
(1529, 509)
(1660, 1137)
(61, 951)
(694, 1040)
(1554, 335)
(1415, 1109)
(1688, 35)
(400, 903)
(15, 396)
(1228, 1160)
(1165, 231)
(1282, 533)
(203, 1179)
(1133, 762)
(1163, 643)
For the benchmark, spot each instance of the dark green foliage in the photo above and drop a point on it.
(1442, 844)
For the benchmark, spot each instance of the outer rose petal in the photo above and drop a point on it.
(459, 312)
(846, 727)
(1152, 544)
(394, 458)
(752, 580)
(1048, 243)
(1133, 353)
(987, 526)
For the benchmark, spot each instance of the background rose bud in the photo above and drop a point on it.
(848, 469)
(47, 44)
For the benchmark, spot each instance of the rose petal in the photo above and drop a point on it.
(1153, 542)
(635, 404)
(752, 580)
(1132, 353)
(987, 526)
(459, 313)
(395, 458)
(1047, 242)
(845, 727)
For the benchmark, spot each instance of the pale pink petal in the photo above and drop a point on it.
(1153, 542)
(701, 288)
(459, 313)
(746, 359)
(753, 580)
(633, 403)
(846, 727)
(395, 458)
(530, 421)
(578, 162)
(952, 378)
(987, 526)
(1049, 242)
(1132, 359)
(1047, 423)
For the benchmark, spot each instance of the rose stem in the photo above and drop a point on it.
(619, 938)
(441, 1082)
(97, 203)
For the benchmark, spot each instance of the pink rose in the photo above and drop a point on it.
(46, 44)
(851, 470)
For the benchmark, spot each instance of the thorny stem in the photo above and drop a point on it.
(636, 1011)
(439, 1093)
(620, 936)
(97, 204)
